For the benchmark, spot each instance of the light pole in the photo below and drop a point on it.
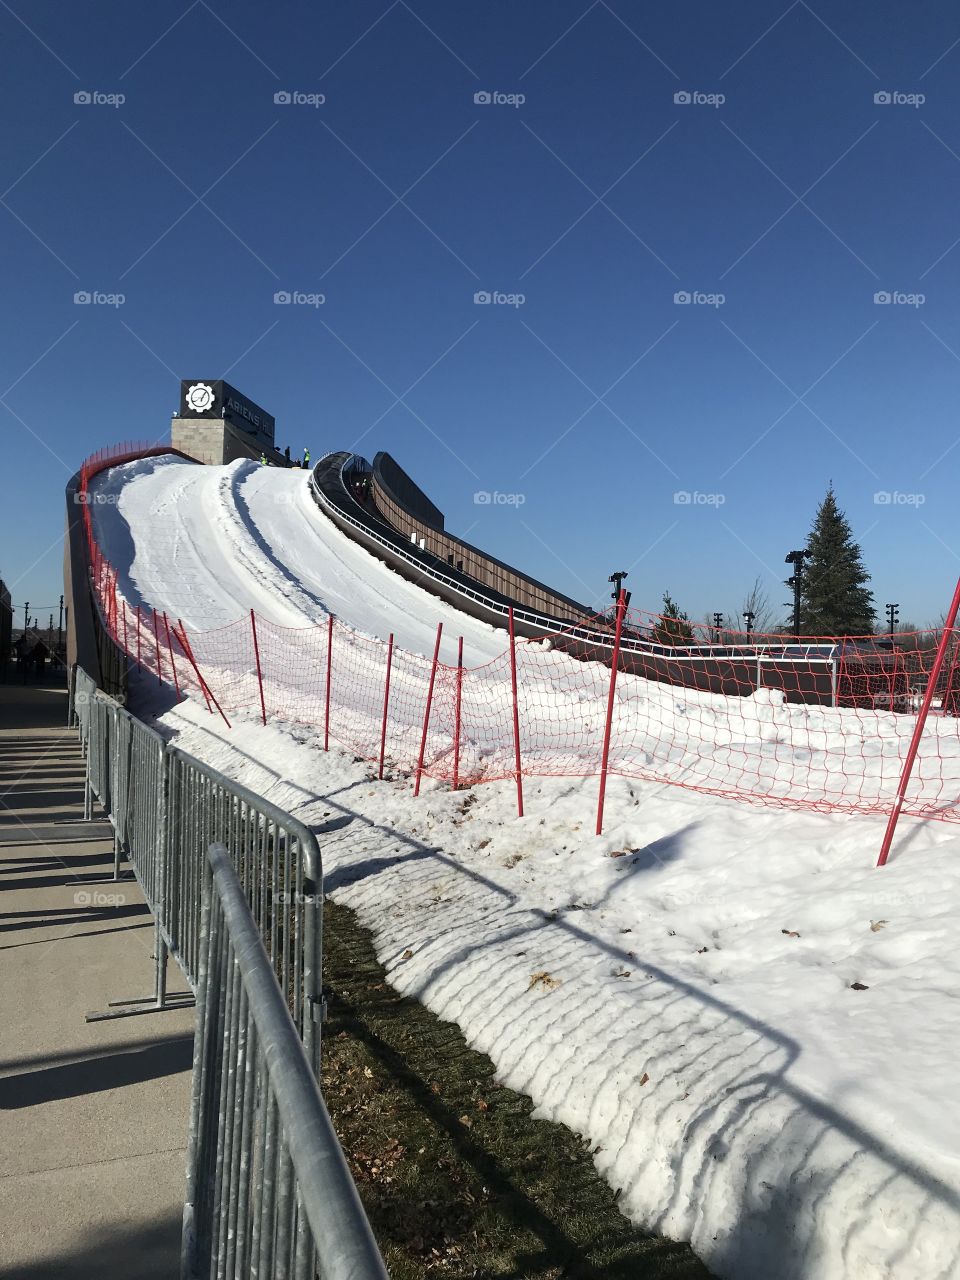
(617, 580)
(60, 628)
(748, 617)
(718, 625)
(26, 617)
(893, 617)
(796, 558)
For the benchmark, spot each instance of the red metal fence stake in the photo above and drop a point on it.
(426, 712)
(456, 715)
(176, 682)
(138, 638)
(207, 691)
(516, 714)
(126, 646)
(326, 713)
(386, 704)
(156, 642)
(918, 727)
(621, 609)
(256, 654)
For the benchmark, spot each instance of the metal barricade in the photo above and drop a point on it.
(278, 863)
(167, 808)
(268, 1189)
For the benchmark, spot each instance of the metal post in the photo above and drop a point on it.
(256, 654)
(207, 692)
(516, 712)
(386, 704)
(918, 727)
(185, 646)
(456, 716)
(138, 637)
(621, 609)
(156, 641)
(426, 712)
(176, 682)
(326, 712)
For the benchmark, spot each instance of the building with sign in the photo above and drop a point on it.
(217, 424)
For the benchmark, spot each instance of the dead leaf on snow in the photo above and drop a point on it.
(877, 925)
(543, 979)
(790, 933)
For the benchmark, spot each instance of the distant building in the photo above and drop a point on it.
(217, 424)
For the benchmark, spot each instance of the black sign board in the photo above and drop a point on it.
(217, 399)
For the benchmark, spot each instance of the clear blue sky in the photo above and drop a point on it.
(598, 198)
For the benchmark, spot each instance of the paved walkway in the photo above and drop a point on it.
(93, 1116)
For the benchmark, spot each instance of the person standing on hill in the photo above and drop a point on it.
(286, 454)
(306, 457)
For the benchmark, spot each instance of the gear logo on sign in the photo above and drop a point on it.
(200, 397)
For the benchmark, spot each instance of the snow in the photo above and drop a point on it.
(680, 991)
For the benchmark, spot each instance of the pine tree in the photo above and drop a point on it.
(835, 598)
(673, 627)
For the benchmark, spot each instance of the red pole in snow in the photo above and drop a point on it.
(516, 714)
(126, 646)
(621, 609)
(207, 692)
(138, 637)
(456, 715)
(426, 712)
(386, 704)
(176, 682)
(918, 727)
(326, 714)
(256, 654)
(156, 641)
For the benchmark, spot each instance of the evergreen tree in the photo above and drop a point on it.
(836, 599)
(673, 627)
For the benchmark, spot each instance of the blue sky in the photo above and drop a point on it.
(782, 210)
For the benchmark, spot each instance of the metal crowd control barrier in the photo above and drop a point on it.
(268, 1189)
(167, 808)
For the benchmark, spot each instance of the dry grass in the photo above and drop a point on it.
(457, 1177)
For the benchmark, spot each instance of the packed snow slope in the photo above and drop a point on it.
(755, 1029)
(220, 541)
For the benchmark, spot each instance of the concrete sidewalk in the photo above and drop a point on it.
(93, 1116)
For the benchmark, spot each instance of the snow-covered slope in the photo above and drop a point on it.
(222, 540)
(755, 1029)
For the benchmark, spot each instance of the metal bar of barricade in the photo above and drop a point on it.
(269, 1191)
(167, 808)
